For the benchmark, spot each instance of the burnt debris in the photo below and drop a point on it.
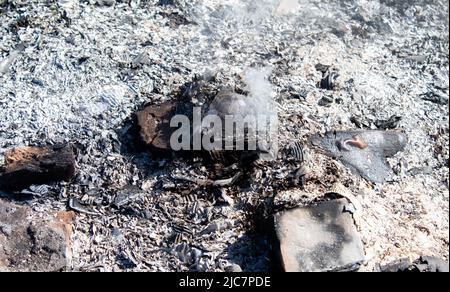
(425, 264)
(211, 99)
(328, 82)
(25, 166)
(154, 124)
(329, 76)
(389, 124)
(321, 238)
(364, 152)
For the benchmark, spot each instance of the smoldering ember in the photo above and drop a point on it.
(353, 174)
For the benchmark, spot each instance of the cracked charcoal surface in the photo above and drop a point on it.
(76, 71)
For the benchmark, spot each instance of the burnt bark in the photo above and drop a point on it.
(26, 166)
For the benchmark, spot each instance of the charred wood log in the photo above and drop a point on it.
(26, 166)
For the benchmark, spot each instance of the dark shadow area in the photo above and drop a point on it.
(255, 251)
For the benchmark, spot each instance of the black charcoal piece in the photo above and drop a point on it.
(390, 123)
(26, 166)
(154, 124)
(328, 82)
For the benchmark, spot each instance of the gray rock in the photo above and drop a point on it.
(28, 245)
(364, 152)
(427, 264)
(401, 265)
(431, 265)
(318, 238)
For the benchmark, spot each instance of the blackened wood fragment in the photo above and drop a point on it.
(26, 166)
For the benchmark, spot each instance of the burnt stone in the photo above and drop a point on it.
(25, 166)
(28, 245)
(321, 238)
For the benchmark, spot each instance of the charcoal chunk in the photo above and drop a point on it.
(154, 124)
(26, 166)
(328, 82)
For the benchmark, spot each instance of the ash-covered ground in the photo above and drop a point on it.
(77, 71)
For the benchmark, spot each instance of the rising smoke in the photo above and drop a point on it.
(246, 26)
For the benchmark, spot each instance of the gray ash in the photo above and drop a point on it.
(76, 72)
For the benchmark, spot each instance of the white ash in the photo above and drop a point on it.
(76, 71)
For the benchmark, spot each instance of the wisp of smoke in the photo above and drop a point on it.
(261, 94)
(246, 24)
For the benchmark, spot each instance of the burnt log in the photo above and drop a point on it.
(26, 166)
